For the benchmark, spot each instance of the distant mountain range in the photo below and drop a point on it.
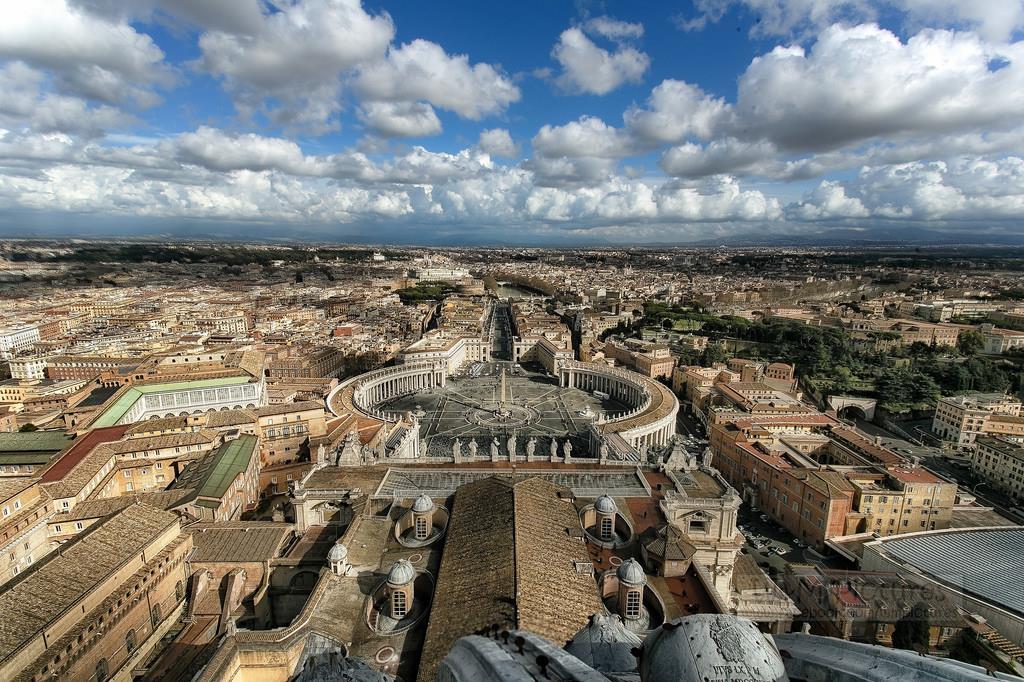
(28, 225)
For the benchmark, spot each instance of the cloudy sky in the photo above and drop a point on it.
(526, 122)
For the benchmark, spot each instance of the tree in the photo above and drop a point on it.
(842, 379)
(27, 428)
(913, 631)
(667, 324)
(714, 353)
(970, 342)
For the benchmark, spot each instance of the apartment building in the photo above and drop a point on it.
(961, 419)
(16, 340)
(819, 480)
(651, 359)
(31, 367)
(903, 333)
(307, 364)
(813, 504)
(998, 341)
(904, 499)
(863, 606)
(1000, 463)
(24, 510)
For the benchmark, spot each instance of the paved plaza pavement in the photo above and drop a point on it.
(470, 407)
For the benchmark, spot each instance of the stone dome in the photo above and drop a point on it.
(338, 553)
(631, 573)
(605, 644)
(605, 505)
(401, 573)
(423, 504)
(697, 647)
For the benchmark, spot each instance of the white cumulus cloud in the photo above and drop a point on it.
(400, 119)
(422, 70)
(498, 142)
(590, 68)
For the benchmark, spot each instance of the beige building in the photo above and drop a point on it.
(961, 419)
(151, 463)
(999, 341)
(99, 607)
(1000, 463)
(644, 357)
(25, 508)
(32, 367)
(283, 429)
(905, 499)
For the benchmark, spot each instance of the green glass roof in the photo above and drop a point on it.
(212, 475)
(113, 414)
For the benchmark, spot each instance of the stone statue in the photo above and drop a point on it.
(321, 454)
(567, 449)
(351, 451)
(531, 448)
(679, 458)
(494, 449)
(554, 449)
(603, 450)
(457, 449)
(512, 448)
(472, 448)
(705, 459)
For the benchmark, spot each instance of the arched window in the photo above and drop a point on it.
(421, 528)
(102, 670)
(633, 604)
(398, 607)
(129, 641)
(155, 615)
(606, 528)
(179, 591)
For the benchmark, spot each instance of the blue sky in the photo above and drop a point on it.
(536, 122)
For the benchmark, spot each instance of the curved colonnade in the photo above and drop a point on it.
(650, 420)
(362, 394)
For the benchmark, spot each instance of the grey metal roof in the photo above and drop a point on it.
(987, 563)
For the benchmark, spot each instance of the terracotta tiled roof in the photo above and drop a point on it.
(510, 561)
(43, 594)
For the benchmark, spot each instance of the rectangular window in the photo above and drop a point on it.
(398, 605)
(633, 604)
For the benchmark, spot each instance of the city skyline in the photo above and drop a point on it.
(287, 462)
(716, 121)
